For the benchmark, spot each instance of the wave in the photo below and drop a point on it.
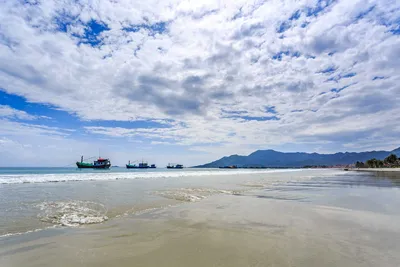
(22, 233)
(72, 177)
(72, 213)
(192, 194)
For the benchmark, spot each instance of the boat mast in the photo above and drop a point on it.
(81, 159)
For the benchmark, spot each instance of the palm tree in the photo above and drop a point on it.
(371, 163)
(391, 159)
(379, 163)
(360, 164)
(374, 163)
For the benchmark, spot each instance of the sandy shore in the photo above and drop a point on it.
(376, 170)
(221, 231)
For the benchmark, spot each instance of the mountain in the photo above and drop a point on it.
(272, 158)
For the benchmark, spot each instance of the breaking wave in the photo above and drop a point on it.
(69, 177)
(72, 213)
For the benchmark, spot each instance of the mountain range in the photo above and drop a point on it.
(272, 158)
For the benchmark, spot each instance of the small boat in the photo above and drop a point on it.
(100, 163)
(229, 167)
(142, 165)
(174, 166)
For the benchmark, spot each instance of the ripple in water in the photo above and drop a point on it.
(192, 194)
(72, 213)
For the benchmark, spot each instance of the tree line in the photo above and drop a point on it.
(391, 161)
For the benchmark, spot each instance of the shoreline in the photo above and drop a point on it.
(375, 169)
(391, 173)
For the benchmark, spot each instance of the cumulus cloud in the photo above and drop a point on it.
(211, 69)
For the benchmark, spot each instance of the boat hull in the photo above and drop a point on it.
(135, 167)
(91, 166)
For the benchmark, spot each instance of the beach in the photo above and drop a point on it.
(202, 218)
(395, 171)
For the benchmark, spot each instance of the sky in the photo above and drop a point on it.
(191, 81)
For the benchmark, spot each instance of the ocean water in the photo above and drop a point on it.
(198, 217)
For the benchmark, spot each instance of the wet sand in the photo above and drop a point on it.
(388, 171)
(220, 231)
(392, 173)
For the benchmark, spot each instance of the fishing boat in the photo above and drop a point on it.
(153, 166)
(100, 163)
(142, 165)
(174, 166)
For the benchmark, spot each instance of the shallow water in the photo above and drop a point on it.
(282, 218)
(69, 196)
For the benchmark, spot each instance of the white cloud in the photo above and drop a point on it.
(214, 59)
(13, 128)
(8, 112)
(12, 113)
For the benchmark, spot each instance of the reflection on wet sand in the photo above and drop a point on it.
(246, 231)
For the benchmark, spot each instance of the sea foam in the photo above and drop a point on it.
(72, 213)
(192, 194)
(99, 176)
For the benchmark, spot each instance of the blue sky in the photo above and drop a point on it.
(179, 81)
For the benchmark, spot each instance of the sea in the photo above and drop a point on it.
(198, 217)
